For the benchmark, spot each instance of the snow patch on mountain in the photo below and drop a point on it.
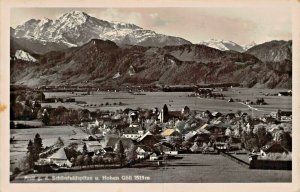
(117, 75)
(22, 55)
(77, 28)
(223, 45)
(131, 71)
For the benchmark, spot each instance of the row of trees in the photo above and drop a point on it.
(120, 156)
(62, 115)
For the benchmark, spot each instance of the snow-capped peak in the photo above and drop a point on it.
(44, 21)
(76, 28)
(223, 45)
(76, 14)
(22, 55)
(74, 17)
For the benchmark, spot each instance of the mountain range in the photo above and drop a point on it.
(224, 45)
(77, 49)
(77, 28)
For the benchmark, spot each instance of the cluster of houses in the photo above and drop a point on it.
(156, 134)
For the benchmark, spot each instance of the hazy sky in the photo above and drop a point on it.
(239, 24)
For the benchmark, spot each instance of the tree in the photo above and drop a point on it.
(60, 114)
(71, 151)
(30, 154)
(100, 160)
(249, 141)
(38, 146)
(119, 149)
(251, 144)
(27, 103)
(59, 142)
(87, 160)
(131, 153)
(79, 160)
(73, 116)
(16, 110)
(94, 130)
(83, 114)
(23, 164)
(27, 113)
(84, 149)
(95, 160)
(29, 97)
(21, 97)
(40, 96)
(285, 140)
(263, 137)
(195, 147)
(147, 114)
(212, 138)
(45, 117)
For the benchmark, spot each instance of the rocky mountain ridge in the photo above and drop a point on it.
(104, 63)
(77, 28)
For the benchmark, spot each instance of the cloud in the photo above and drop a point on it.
(157, 21)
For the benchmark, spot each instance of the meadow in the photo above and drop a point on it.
(177, 100)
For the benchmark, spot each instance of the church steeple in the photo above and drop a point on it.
(164, 114)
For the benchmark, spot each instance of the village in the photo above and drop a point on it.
(151, 137)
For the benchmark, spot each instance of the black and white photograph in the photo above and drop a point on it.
(151, 94)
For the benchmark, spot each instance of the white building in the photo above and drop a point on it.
(133, 132)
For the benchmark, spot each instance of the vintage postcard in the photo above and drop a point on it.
(176, 94)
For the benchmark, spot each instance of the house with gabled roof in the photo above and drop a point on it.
(133, 132)
(148, 139)
(143, 151)
(60, 158)
(110, 141)
(171, 133)
(190, 136)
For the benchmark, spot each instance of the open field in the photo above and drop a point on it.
(177, 100)
(274, 102)
(193, 168)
